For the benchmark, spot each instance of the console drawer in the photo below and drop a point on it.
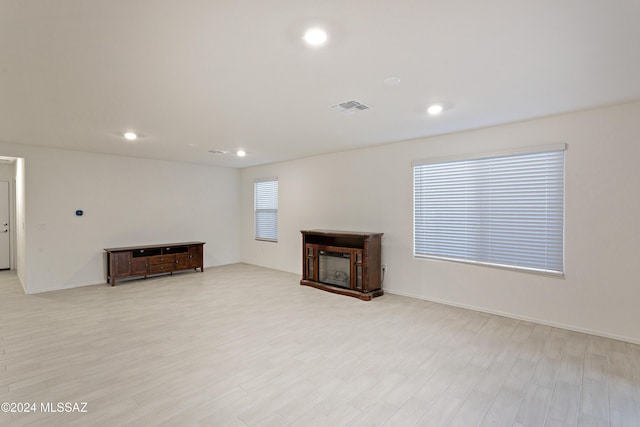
(162, 259)
(161, 268)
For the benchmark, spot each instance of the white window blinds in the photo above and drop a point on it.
(505, 210)
(266, 209)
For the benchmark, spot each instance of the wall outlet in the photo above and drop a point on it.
(384, 267)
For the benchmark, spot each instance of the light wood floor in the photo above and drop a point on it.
(246, 346)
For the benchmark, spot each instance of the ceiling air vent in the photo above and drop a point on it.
(350, 107)
(218, 152)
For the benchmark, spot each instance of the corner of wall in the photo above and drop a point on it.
(22, 281)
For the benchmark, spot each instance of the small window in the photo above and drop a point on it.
(500, 210)
(266, 209)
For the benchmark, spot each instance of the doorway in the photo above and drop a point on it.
(5, 224)
(8, 209)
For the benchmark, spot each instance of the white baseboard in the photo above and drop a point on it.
(21, 280)
(62, 288)
(519, 317)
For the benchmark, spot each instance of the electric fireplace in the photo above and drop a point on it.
(334, 268)
(343, 262)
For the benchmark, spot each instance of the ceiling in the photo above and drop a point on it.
(191, 76)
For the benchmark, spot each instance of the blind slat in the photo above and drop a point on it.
(506, 211)
(266, 209)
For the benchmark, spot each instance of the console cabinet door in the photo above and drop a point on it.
(311, 262)
(182, 261)
(195, 256)
(358, 270)
(121, 264)
(139, 266)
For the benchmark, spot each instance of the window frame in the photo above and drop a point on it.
(256, 210)
(485, 156)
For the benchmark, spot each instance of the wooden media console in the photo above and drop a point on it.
(143, 261)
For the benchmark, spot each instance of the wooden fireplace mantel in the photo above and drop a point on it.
(363, 251)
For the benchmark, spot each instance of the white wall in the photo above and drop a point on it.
(371, 190)
(126, 201)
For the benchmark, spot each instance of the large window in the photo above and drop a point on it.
(265, 196)
(502, 210)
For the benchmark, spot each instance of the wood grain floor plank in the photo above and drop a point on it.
(242, 345)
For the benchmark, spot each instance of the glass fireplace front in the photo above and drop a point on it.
(334, 268)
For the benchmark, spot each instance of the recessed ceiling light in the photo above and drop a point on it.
(241, 153)
(315, 36)
(435, 109)
(392, 81)
(130, 136)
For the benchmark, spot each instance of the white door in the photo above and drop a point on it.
(5, 244)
